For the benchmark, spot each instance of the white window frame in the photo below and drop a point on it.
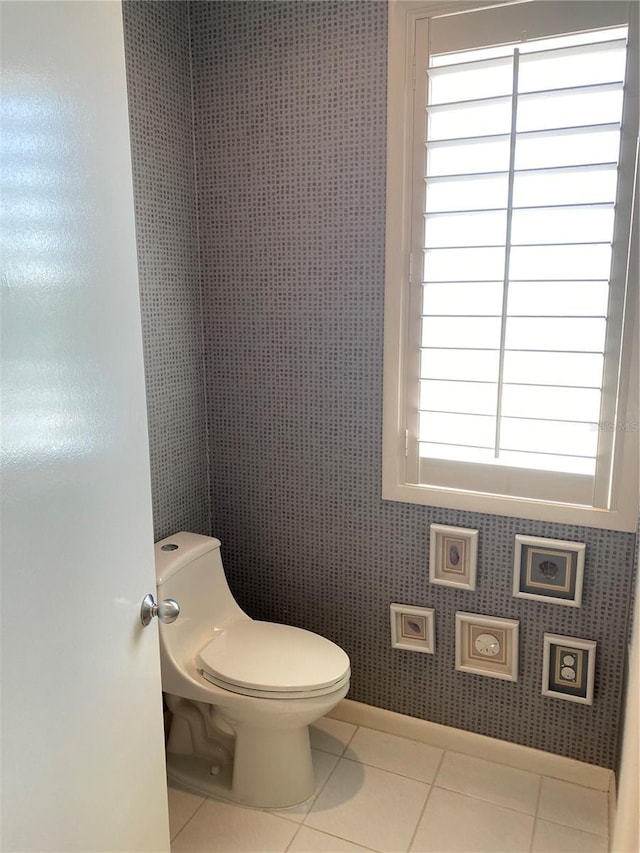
(621, 513)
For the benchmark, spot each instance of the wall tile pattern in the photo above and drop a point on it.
(159, 89)
(290, 146)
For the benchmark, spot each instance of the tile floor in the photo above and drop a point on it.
(379, 792)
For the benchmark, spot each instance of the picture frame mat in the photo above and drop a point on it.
(465, 540)
(575, 555)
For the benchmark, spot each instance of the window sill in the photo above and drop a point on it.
(624, 519)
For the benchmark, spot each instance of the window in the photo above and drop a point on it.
(511, 286)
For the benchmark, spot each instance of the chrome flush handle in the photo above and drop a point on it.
(167, 611)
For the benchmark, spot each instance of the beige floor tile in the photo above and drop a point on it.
(455, 823)
(368, 806)
(312, 841)
(555, 838)
(397, 754)
(225, 828)
(323, 764)
(331, 735)
(182, 806)
(572, 805)
(504, 786)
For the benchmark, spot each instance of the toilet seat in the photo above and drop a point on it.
(272, 661)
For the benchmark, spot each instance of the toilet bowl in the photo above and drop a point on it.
(242, 692)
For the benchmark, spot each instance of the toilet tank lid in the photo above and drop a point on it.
(177, 551)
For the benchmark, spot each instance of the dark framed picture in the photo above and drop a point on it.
(548, 570)
(569, 668)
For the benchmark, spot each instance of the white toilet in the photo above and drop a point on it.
(242, 693)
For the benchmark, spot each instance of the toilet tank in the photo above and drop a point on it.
(189, 569)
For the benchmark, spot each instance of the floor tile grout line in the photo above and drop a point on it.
(311, 800)
(385, 770)
(539, 797)
(512, 767)
(276, 813)
(576, 828)
(457, 751)
(187, 822)
(426, 801)
(348, 743)
(326, 751)
(484, 800)
(320, 790)
(293, 837)
(535, 814)
(560, 823)
(502, 763)
(434, 783)
(497, 763)
(445, 750)
(344, 747)
(352, 761)
(339, 837)
(241, 806)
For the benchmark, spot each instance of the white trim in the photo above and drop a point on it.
(589, 646)
(612, 802)
(505, 25)
(479, 746)
(437, 572)
(577, 548)
(398, 641)
(626, 827)
(623, 519)
(399, 445)
(507, 670)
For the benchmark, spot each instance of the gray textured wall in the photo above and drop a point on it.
(289, 111)
(159, 89)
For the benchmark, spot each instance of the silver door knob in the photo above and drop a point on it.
(167, 611)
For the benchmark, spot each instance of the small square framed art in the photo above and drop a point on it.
(548, 570)
(487, 645)
(412, 628)
(568, 670)
(453, 555)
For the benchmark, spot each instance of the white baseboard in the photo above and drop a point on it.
(500, 751)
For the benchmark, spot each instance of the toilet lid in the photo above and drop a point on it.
(273, 658)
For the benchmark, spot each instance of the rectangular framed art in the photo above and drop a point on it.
(412, 628)
(487, 645)
(569, 667)
(453, 555)
(548, 570)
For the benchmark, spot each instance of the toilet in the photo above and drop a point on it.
(242, 692)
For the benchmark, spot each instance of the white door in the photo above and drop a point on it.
(82, 744)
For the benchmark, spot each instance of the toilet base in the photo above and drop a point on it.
(258, 766)
(194, 773)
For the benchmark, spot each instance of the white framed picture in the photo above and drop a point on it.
(413, 628)
(453, 556)
(548, 570)
(569, 666)
(487, 645)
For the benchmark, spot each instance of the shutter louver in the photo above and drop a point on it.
(520, 180)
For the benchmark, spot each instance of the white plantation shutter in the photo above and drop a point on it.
(515, 22)
(517, 156)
